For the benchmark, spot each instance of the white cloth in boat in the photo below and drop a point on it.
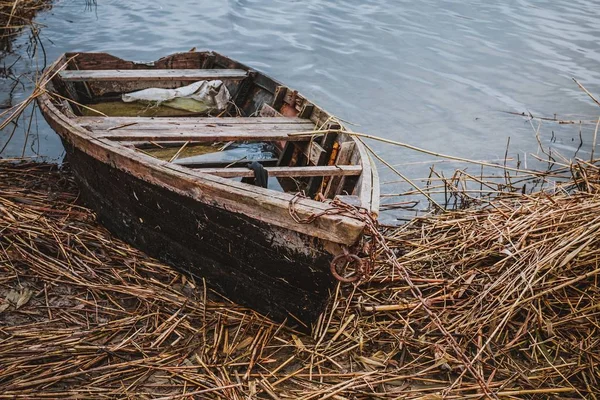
(201, 96)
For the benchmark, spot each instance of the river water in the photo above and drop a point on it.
(435, 74)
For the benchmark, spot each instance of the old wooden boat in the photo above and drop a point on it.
(207, 216)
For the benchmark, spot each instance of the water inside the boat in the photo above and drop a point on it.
(213, 154)
(235, 154)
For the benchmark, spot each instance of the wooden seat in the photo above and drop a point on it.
(280, 172)
(152, 74)
(196, 129)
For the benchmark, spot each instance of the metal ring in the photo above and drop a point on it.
(349, 258)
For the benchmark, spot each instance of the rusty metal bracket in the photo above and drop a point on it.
(348, 258)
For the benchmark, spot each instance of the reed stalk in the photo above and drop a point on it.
(507, 308)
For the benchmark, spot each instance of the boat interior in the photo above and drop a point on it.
(264, 126)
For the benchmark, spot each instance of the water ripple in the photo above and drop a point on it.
(434, 73)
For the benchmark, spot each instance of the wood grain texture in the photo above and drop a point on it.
(196, 129)
(286, 171)
(152, 74)
(335, 184)
(148, 122)
(205, 135)
(268, 111)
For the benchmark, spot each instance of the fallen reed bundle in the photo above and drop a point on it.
(86, 316)
(16, 15)
(514, 284)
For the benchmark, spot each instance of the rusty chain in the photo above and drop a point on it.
(363, 268)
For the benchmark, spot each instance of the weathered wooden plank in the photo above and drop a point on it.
(202, 135)
(221, 164)
(268, 111)
(286, 171)
(335, 184)
(278, 97)
(367, 186)
(149, 122)
(241, 94)
(209, 61)
(265, 83)
(315, 184)
(183, 60)
(306, 110)
(315, 154)
(159, 126)
(152, 74)
(349, 199)
(205, 127)
(195, 129)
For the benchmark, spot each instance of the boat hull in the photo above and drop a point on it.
(280, 273)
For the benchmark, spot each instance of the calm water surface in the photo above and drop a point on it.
(436, 74)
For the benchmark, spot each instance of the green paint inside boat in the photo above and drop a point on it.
(136, 109)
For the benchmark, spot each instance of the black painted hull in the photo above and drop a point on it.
(240, 257)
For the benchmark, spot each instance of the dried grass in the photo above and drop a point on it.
(15, 15)
(515, 284)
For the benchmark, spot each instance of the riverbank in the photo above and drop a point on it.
(503, 299)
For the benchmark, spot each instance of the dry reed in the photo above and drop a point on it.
(15, 15)
(515, 284)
